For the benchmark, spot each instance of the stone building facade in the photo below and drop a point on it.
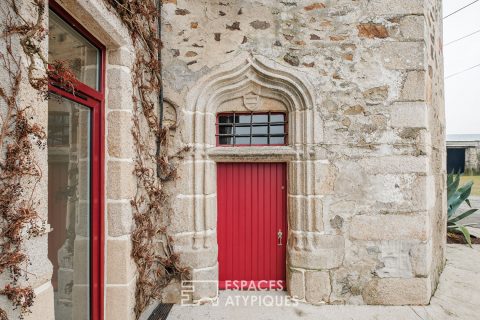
(463, 153)
(361, 86)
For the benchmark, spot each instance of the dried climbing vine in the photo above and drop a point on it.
(153, 251)
(19, 135)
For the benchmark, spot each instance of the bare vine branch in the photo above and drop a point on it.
(157, 265)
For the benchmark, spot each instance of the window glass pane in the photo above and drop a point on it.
(67, 45)
(58, 128)
(242, 130)
(225, 140)
(69, 206)
(260, 118)
(277, 140)
(242, 140)
(226, 130)
(242, 118)
(260, 129)
(277, 129)
(277, 118)
(259, 140)
(225, 119)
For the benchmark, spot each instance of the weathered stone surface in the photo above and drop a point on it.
(120, 265)
(392, 7)
(372, 30)
(325, 252)
(205, 291)
(391, 291)
(317, 287)
(119, 218)
(121, 56)
(403, 55)
(388, 227)
(409, 114)
(121, 301)
(376, 95)
(119, 138)
(412, 27)
(296, 283)
(343, 72)
(120, 180)
(413, 90)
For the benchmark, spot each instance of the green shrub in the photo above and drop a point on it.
(456, 195)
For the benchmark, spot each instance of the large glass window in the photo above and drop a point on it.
(246, 129)
(74, 171)
(69, 145)
(68, 46)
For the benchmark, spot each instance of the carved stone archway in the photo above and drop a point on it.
(308, 168)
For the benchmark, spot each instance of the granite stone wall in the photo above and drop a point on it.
(361, 82)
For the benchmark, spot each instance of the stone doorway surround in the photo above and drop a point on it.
(308, 168)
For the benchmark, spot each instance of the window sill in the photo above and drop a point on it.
(245, 154)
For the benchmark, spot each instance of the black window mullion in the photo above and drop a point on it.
(268, 130)
(236, 123)
(251, 129)
(234, 131)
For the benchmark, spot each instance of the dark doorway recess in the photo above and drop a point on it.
(456, 160)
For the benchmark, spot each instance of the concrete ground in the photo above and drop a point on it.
(474, 218)
(457, 297)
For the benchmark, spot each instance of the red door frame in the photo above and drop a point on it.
(95, 100)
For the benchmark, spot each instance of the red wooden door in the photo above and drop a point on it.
(252, 225)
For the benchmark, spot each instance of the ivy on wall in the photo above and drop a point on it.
(152, 249)
(19, 135)
(152, 246)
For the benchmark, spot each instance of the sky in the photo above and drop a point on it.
(462, 92)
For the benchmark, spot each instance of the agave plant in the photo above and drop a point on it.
(456, 195)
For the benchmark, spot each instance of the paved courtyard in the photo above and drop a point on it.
(474, 218)
(457, 297)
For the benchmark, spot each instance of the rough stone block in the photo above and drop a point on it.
(296, 283)
(412, 27)
(326, 252)
(120, 301)
(394, 164)
(393, 7)
(119, 89)
(389, 227)
(392, 291)
(121, 56)
(414, 86)
(409, 114)
(120, 219)
(120, 266)
(182, 219)
(395, 259)
(207, 290)
(119, 138)
(121, 182)
(197, 258)
(317, 287)
(403, 55)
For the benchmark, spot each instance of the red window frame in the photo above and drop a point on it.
(217, 128)
(95, 100)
